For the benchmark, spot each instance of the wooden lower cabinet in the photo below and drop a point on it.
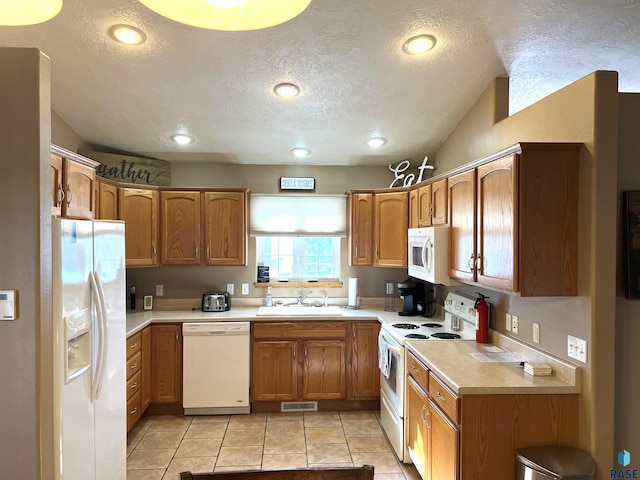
(166, 361)
(138, 375)
(145, 389)
(324, 369)
(475, 437)
(363, 352)
(274, 370)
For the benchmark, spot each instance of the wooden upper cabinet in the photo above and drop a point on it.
(57, 187)
(439, 205)
(180, 220)
(391, 222)
(106, 200)
(414, 209)
(361, 229)
(78, 190)
(496, 257)
(138, 207)
(425, 206)
(462, 221)
(225, 228)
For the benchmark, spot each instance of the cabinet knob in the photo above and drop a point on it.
(440, 396)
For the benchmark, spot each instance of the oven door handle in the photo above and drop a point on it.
(395, 349)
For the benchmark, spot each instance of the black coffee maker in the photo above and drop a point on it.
(412, 295)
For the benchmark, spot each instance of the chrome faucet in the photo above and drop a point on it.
(301, 297)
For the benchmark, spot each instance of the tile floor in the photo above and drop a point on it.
(160, 447)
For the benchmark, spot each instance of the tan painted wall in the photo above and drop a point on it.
(25, 264)
(63, 135)
(628, 311)
(585, 112)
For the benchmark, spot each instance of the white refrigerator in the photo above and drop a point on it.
(89, 334)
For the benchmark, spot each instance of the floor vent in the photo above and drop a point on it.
(298, 406)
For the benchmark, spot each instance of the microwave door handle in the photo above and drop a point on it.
(427, 255)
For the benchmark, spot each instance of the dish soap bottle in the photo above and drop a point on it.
(269, 300)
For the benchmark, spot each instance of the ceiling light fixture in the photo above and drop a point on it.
(127, 34)
(419, 44)
(300, 152)
(28, 12)
(376, 142)
(182, 138)
(229, 15)
(287, 90)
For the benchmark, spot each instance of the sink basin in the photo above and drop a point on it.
(300, 311)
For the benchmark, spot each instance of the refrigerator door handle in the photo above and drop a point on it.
(98, 296)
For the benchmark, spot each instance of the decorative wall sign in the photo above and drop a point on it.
(297, 183)
(631, 246)
(402, 167)
(129, 169)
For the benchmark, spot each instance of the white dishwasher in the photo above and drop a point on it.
(215, 368)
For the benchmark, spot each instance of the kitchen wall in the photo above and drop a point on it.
(627, 324)
(190, 282)
(585, 112)
(25, 265)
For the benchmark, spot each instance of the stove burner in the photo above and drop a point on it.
(406, 326)
(446, 336)
(418, 336)
(432, 325)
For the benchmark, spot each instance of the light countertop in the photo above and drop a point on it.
(450, 360)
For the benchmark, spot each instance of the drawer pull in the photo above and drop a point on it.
(134, 366)
(134, 411)
(133, 345)
(134, 385)
(415, 369)
(424, 420)
(441, 397)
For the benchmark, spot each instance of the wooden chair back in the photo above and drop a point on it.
(338, 473)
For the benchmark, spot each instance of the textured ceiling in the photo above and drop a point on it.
(346, 57)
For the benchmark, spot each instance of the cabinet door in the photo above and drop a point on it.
(497, 254)
(225, 224)
(462, 218)
(145, 389)
(361, 230)
(414, 209)
(324, 370)
(444, 445)
(365, 374)
(274, 370)
(166, 358)
(417, 431)
(78, 190)
(439, 202)
(391, 222)
(180, 227)
(139, 210)
(57, 188)
(107, 201)
(425, 206)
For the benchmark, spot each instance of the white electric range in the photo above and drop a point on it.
(457, 323)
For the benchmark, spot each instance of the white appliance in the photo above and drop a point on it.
(215, 368)
(428, 251)
(458, 323)
(89, 335)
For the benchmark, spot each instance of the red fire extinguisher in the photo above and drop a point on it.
(482, 319)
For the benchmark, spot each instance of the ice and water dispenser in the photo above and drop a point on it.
(77, 329)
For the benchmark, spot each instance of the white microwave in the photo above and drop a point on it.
(429, 255)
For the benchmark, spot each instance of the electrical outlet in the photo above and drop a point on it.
(536, 332)
(245, 289)
(159, 290)
(514, 323)
(230, 288)
(577, 348)
(508, 319)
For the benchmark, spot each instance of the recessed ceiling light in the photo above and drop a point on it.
(300, 152)
(182, 138)
(286, 90)
(419, 44)
(376, 142)
(28, 12)
(127, 34)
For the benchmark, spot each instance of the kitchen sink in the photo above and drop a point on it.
(300, 311)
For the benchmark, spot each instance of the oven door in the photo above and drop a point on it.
(393, 385)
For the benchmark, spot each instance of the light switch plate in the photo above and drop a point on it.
(577, 348)
(159, 290)
(508, 324)
(536, 332)
(514, 323)
(245, 289)
(230, 288)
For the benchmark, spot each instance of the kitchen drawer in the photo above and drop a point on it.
(134, 384)
(299, 330)
(134, 410)
(418, 371)
(133, 344)
(443, 397)
(134, 365)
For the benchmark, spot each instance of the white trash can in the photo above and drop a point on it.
(554, 463)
